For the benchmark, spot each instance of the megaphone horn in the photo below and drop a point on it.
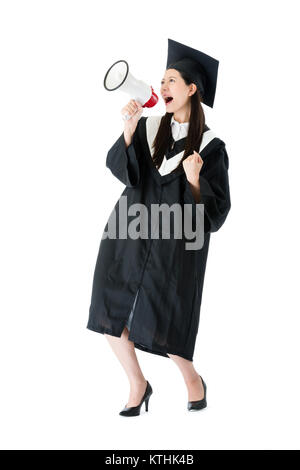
(118, 77)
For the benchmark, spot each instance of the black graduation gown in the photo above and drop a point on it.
(167, 277)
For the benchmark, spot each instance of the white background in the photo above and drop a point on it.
(62, 387)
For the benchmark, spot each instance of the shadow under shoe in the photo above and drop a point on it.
(135, 410)
(198, 404)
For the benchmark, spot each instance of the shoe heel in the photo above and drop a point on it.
(146, 403)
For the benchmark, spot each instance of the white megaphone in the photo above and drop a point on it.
(118, 77)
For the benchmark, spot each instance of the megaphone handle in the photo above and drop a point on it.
(126, 116)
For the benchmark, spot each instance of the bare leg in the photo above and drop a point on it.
(191, 377)
(125, 352)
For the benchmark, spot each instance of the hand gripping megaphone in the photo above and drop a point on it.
(118, 77)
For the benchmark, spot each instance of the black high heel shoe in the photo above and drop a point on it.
(135, 410)
(198, 404)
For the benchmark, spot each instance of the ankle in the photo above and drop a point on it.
(195, 379)
(138, 383)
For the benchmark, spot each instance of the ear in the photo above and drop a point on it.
(193, 89)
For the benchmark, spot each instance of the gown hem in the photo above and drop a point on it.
(141, 347)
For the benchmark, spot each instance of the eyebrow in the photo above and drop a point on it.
(169, 77)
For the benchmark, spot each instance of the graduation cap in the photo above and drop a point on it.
(201, 68)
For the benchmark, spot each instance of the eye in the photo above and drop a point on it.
(170, 80)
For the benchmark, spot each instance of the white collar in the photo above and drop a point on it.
(179, 129)
(180, 124)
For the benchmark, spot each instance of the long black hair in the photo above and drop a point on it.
(195, 131)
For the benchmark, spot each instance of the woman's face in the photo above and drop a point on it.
(173, 85)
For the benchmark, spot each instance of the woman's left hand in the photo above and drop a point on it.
(192, 166)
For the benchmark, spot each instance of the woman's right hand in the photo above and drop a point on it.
(135, 110)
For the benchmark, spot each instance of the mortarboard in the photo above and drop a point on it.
(201, 68)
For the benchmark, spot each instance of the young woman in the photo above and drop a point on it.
(147, 291)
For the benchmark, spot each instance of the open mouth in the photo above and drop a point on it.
(168, 99)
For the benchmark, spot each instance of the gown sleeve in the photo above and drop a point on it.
(124, 162)
(214, 189)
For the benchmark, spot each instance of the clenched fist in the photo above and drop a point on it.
(192, 166)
